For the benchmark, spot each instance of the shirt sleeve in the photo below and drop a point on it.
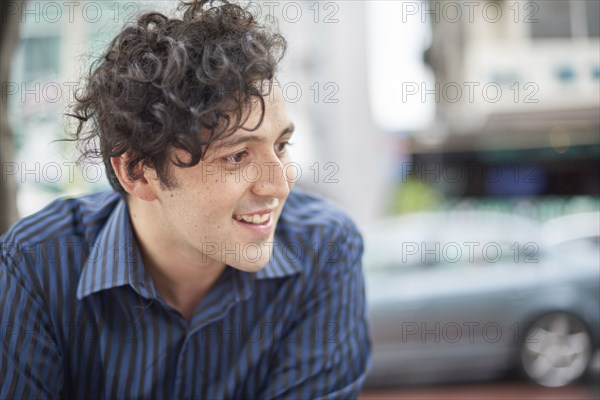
(328, 353)
(30, 362)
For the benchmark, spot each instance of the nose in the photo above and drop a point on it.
(272, 181)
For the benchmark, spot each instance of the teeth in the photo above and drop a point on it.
(253, 219)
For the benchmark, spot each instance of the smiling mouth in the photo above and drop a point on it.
(254, 219)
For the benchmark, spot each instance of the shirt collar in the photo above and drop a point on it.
(286, 259)
(115, 260)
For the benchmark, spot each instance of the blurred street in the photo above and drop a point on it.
(490, 391)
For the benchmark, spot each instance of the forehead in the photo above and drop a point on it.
(258, 126)
(275, 111)
(254, 137)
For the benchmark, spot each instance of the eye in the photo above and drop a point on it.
(280, 148)
(236, 158)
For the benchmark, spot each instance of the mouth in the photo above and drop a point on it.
(259, 224)
(260, 218)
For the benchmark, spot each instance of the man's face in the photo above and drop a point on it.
(225, 209)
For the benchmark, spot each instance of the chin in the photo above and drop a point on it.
(250, 266)
(255, 267)
(253, 258)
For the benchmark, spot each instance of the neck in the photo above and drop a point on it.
(182, 275)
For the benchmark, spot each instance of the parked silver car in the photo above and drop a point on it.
(469, 295)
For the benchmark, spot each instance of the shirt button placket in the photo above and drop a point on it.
(180, 391)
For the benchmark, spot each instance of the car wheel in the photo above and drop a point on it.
(556, 350)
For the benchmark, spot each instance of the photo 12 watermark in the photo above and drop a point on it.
(317, 92)
(467, 11)
(468, 252)
(38, 92)
(51, 172)
(452, 332)
(251, 172)
(117, 252)
(93, 12)
(470, 92)
(292, 12)
(489, 172)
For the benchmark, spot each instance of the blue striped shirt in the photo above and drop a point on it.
(81, 317)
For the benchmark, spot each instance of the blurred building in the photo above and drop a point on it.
(518, 99)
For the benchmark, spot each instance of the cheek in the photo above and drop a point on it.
(185, 207)
(211, 202)
(291, 172)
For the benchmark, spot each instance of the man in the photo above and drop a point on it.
(203, 274)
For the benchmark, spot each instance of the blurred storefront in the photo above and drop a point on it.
(517, 94)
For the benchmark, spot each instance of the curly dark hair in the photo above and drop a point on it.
(167, 83)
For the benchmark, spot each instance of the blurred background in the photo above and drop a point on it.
(462, 136)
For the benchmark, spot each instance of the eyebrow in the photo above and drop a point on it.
(254, 138)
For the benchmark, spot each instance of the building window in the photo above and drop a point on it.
(41, 57)
(593, 18)
(565, 19)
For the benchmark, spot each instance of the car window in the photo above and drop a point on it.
(426, 242)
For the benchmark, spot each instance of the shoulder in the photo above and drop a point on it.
(42, 254)
(321, 231)
(34, 241)
(308, 213)
(63, 217)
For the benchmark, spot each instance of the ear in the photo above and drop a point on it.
(144, 187)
